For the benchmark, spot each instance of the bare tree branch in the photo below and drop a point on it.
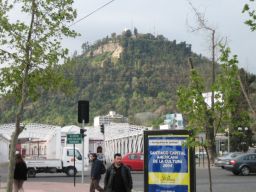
(246, 95)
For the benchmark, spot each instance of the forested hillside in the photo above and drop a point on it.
(128, 73)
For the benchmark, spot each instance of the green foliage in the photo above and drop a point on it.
(31, 50)
(144, 79)
(226, 89)
(233, 114)
(191, 103)
(157, 122)
(36, 48)
(227, 86)
(250, 10)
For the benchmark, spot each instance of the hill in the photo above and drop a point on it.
(128, 73)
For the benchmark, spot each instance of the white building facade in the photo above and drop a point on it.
(107, 119)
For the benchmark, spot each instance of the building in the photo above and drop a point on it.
(173, 121)
(4, 147)
(32, 142)
(107, 119)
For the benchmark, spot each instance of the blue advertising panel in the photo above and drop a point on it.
(167, 163)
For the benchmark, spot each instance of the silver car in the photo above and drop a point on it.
(221, 161)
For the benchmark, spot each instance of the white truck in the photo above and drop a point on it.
(59, 158)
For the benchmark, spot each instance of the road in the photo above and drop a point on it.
(223, 181)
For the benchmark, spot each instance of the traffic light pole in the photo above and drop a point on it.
(228, 141)
(83, 155)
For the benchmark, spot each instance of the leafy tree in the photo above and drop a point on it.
(200, 117)
(31, 50)
(85, 47)
(135, 32)
(128, 33)
(251, 22)
(248, 8)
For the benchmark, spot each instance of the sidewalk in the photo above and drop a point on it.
(51, 187)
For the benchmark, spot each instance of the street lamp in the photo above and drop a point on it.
(243, 141)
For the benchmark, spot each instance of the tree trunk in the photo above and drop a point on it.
(24, 93)
(11, 161)
(14, 139)
(212, 130)
(209, 168)
(210, 136)
(246, 95)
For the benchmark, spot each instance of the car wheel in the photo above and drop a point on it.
(245, 171)
(71, 171)
(31, 172)
(235, 172)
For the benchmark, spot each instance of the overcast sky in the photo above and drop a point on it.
(172, 19)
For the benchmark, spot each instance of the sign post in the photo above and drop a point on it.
(83, 117)
(82, 181)
(74, 139)
(74, 156)
(169, 163)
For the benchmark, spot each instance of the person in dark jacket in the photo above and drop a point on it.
(118, 177)
(20, 173)
(96, 173)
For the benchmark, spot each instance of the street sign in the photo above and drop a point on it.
(74, 139)
(169, 164)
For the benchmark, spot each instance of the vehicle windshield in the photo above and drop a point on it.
(231, 155)
(70, 152)
(235, 154)
(251, 150)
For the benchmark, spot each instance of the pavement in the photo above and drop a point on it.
(31, 186)
(51, 187)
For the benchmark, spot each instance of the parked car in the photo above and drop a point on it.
(243, 164)
(251, 150)
(135, 161)
(220, 161)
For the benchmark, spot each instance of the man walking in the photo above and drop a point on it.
(118, 177)
(96, 171)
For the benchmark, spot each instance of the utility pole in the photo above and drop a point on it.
(82, 154)
(228, 141)
(82, 133)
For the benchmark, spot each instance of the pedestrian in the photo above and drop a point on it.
(118, 177)
(96, 171)
(20, 173)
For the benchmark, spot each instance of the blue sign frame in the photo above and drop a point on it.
(169, 164)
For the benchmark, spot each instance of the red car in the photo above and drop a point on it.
(135, 161)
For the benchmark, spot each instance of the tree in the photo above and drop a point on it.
(251, 22)
(31, 50)
(135, 32)
(202, 25)
(85, 47)
(192, 103)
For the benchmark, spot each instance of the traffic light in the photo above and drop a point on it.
(82, 132)
(102, 128)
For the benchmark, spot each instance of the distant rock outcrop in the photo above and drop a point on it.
(115, 48)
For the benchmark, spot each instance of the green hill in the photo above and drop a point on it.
(127, 73)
